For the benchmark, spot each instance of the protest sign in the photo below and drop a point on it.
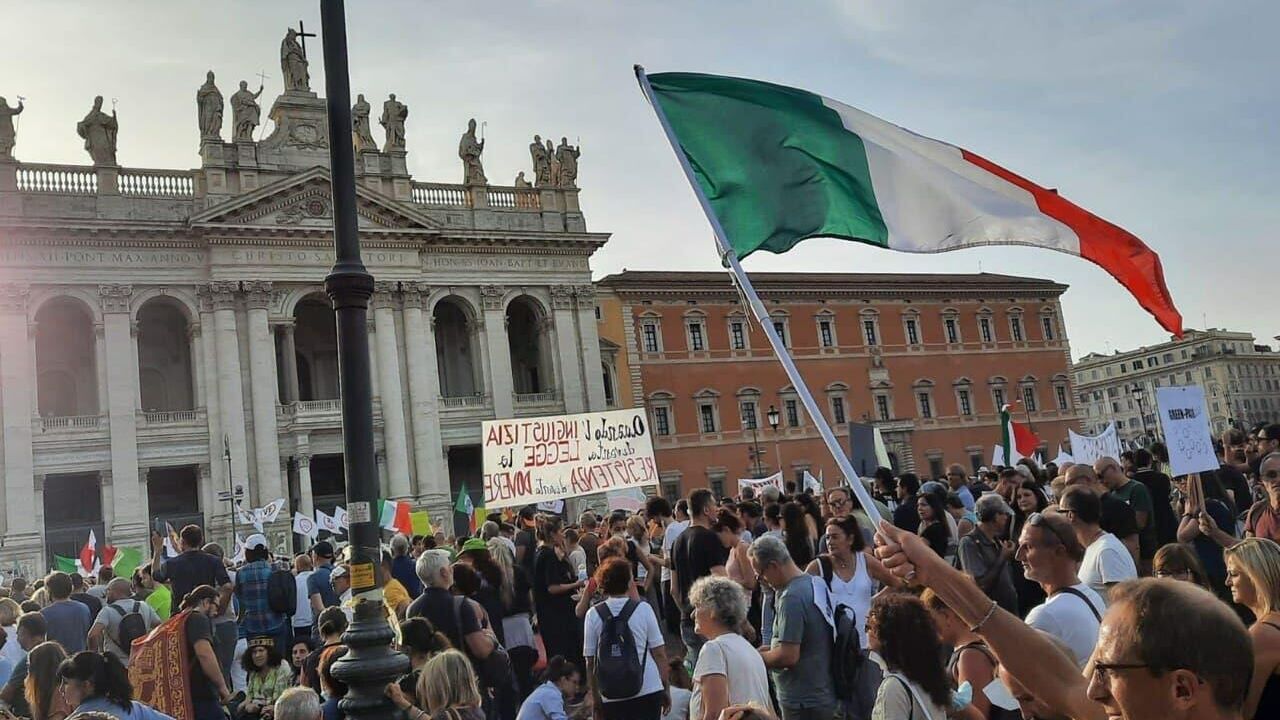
(532, 460)
(1185, 420)
(421, 523)
(551, 506)
(326, 522)
(758, 484)
(812, 483)
(1087, 450)
(340, 517)
(629, 499)
(304, 525)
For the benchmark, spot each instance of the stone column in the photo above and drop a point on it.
(289, 362)
(35, 370)
(562, 313)
(589, 337)
(262, 387)
(381, 459)
(127, 523)
(135, 340)
(306, 498)
(100, 366)
(196, 349)
(495, 337)
(424, 394)
(212, 406)
(144, 484)
(388, 357)
(22, 539)
(230, 397)
(207, 493)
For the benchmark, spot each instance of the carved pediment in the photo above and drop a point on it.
(306, 201)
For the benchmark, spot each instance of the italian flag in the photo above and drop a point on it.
(475, 515)
(1017, 439)
(779, 165)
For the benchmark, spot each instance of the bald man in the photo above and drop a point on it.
(1117, 517)
(105, 633)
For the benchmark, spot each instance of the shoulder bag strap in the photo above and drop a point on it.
(1085, 599)
(913, 697)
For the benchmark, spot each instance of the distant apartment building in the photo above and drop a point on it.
(930, 359)
(1241, 380)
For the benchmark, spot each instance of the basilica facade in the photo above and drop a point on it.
(164, 334)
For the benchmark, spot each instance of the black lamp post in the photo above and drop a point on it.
(1140, 395)
(370, 662)
(774, 419)
(750, 419)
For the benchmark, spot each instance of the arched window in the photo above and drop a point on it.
(456, 361)
(527, 337)
(66, 359)
(164, 357)
(316, 348)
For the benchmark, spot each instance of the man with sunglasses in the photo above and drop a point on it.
(1263, 519)
(1051, 554)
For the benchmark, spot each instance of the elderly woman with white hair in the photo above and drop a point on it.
(986, 554)
(298, 703)
(729, 669)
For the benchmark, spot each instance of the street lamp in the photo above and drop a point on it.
(1139, 395)
(750, 419)
(774, 419)
(370, 663)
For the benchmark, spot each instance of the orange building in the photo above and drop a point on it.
(927, 358)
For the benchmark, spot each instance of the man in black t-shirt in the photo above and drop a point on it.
(697, 553)
(208, 688)
(526, 540)
(79, 593)
(191, 569)
(1118, 517)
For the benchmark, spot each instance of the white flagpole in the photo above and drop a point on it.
(730, 258)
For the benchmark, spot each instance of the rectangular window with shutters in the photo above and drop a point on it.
(984, 325)
(869, 329)
(837, 410)
(707, 412)
(882, 407)
(953, 333)
(1047, 322)
(717, 487)
(738, 335)
(793, 413)
(966, 406)
(1015, 325)
(661, 421)
(749, 420)
(1029, 398)
(650, 338)
(1060, 392)
(926, 406)
(780, 327)
(913, 333)
(828, 337)
(696, 342)
(998, 395)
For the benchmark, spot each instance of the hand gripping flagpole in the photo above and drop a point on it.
(730, 259)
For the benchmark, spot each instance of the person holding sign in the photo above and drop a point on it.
(1203, 520)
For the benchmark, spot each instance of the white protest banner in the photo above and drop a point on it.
(304, 526)
(775, 480)
(1085, 449)
(272, 510)
(249, 518)
(532, 460)
(340, 517)
(629, 499)
(551, 506)
(997, 456)
(1185, 419)
(325, 522)
(812, 483)
(1063, 457)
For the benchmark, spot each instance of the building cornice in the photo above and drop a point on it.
(992, 288)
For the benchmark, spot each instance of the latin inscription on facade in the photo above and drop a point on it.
(505, 262)
(92, 257)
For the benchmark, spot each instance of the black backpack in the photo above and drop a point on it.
(847, 659)
(619, 669)
(132, 626)
(282, 592)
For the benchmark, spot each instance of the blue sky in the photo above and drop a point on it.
(1159, 116)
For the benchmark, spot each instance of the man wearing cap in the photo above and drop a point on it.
(985, 554)
(257, 619)
(341, 580)
(319, 586)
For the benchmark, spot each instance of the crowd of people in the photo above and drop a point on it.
(1083, 591)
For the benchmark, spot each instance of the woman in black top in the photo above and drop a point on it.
(795, 534)
(1027, 499)
(933, 523)
(554, 583)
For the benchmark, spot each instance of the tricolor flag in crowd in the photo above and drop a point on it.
(396, 516)
(778, 165)
(1017, 440)
(475, 514)
(91, 559)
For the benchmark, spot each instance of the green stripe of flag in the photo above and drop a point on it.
(776, 164)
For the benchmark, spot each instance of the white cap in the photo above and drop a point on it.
(256, 541)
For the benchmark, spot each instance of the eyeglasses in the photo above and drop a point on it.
(1271, 474)
(1184, 573)
(1105, 672)
(837, 502)
(1038, 520)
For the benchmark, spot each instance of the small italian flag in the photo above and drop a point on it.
(475, 515)
(395, 516)
(1017, 439)
(778, 165)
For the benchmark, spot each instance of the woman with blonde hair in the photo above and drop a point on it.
(447, 690)
(42, 682)
(1253, 575)
(9, 612)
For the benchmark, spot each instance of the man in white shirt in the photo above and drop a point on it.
(1107, 561)
(1051, 554)
(671, 614)
(303, 616)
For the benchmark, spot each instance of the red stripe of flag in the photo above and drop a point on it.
(1112, 248)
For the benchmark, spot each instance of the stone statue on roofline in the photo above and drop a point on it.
(394, 113)
(293, 63)
(541, 162)
(8, 138)
(209, 109)
(361, 133)
(99, 131)
(246, 114)
(469, 150)
(567, 157)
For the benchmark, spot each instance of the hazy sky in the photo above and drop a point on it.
(1159, 116)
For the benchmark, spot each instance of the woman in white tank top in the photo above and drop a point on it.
(850, 570)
